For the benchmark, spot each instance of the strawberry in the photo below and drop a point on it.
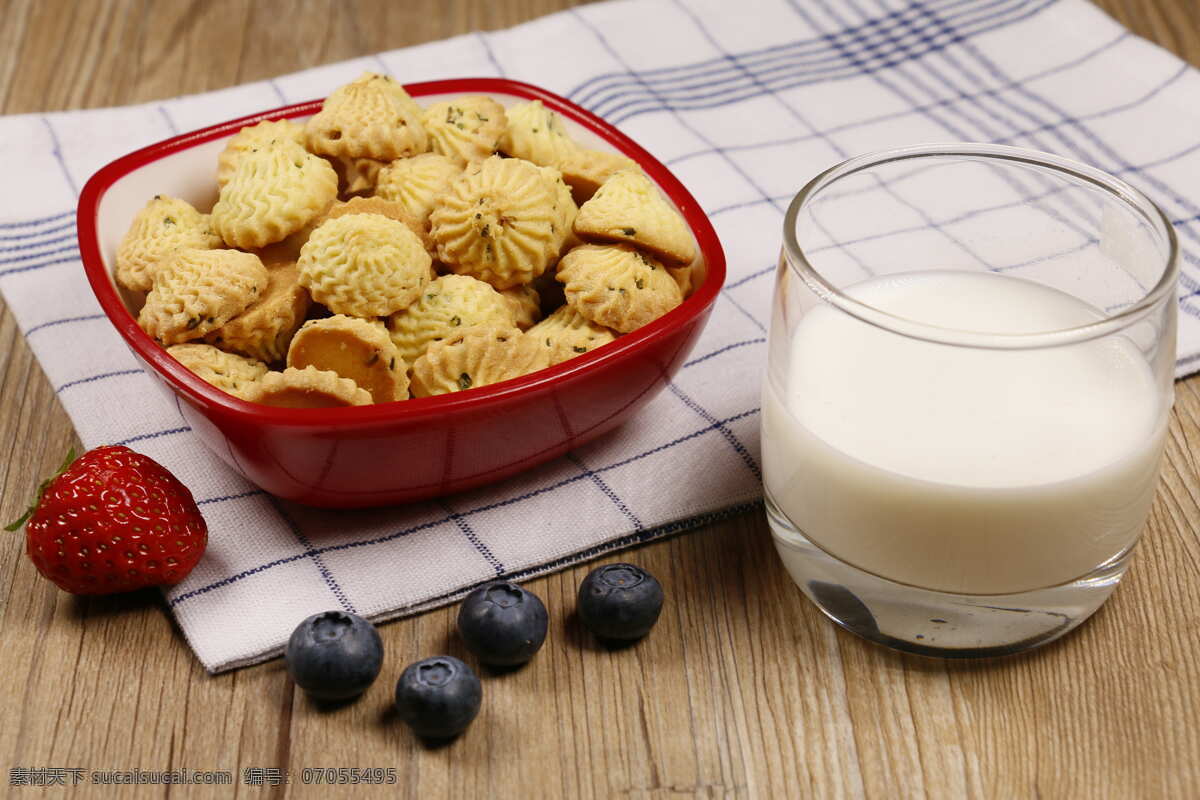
(113, 521)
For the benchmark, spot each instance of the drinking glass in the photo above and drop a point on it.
(971, 363)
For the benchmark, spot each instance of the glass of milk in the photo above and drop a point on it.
(971, 365)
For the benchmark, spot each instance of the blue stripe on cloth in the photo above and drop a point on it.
(763, 60)
(955, 131)
(35, 267)
(162, 110)
(56, 148)
(154, 435)
(642, 537)
(606, 490)
(725, 349)
(801, 76)
(38, 221)
(20, 237)
(334, 587)
(491, 55)
(734, 442)
(717, 425)
(752, 276)
(278, 92)
(473, 538)
(916, 110)
(62, 321)
(31, 256)
(93, 378)
(31, 245)
(227, 497)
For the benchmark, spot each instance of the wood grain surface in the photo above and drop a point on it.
(742, 690)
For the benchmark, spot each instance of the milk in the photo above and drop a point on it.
(961, 469)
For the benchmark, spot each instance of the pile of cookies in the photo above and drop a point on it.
(383, 250)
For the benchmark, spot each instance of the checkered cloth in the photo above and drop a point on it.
(745, 102)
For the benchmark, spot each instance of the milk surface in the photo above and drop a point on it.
(960, 469)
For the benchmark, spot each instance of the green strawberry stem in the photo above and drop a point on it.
(13, 526)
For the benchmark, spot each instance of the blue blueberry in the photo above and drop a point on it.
(502, 624)
(438, 697)
(620, 601)
(334, 655)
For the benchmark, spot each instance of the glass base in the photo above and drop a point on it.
(939, 624)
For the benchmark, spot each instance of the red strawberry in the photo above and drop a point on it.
(114, 521)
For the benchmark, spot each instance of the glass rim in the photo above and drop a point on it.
(798, 261)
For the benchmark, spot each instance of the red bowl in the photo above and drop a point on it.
(415, 449)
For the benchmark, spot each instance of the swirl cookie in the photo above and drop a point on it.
(416, 183)
(585, 171)
(564, 208)
(535, 133)
(250, 138)
(357, 349)
(372, 117)
(306, 388)
(229, 373)
(198, 291)
(465, 129)
(479, 356)
(616, 286)
(629, 208)
(364, 265)
(525, 305)
(164, 225)
(497, 223)
(377, 205)
(566, 333)
(274, 191)
(264, 330)
(448, 305)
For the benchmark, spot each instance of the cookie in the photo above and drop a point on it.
(229, 373)
(564, 208)
(525, 305)
(478, 356)
(535, 133)
(684, 278)
(357, 349)
(164, 225)
(252, 137)
(628, 208)
(585, 171)
(274, 191)
(497, 223)
(198, 291)
(306, 388)
(465, 129)
(372, 117)
(264, 330)
(357, 175)
(377, 205)
(448, 304)
(364, 265)
(617, 286)
(416, 183)
(566, 333)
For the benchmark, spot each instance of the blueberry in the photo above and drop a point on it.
(620, 601)
(502, 624)
(438, 697)
(334, 655)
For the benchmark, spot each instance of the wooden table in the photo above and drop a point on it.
(743, 689)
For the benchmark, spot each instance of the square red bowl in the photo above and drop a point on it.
(414, 449)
